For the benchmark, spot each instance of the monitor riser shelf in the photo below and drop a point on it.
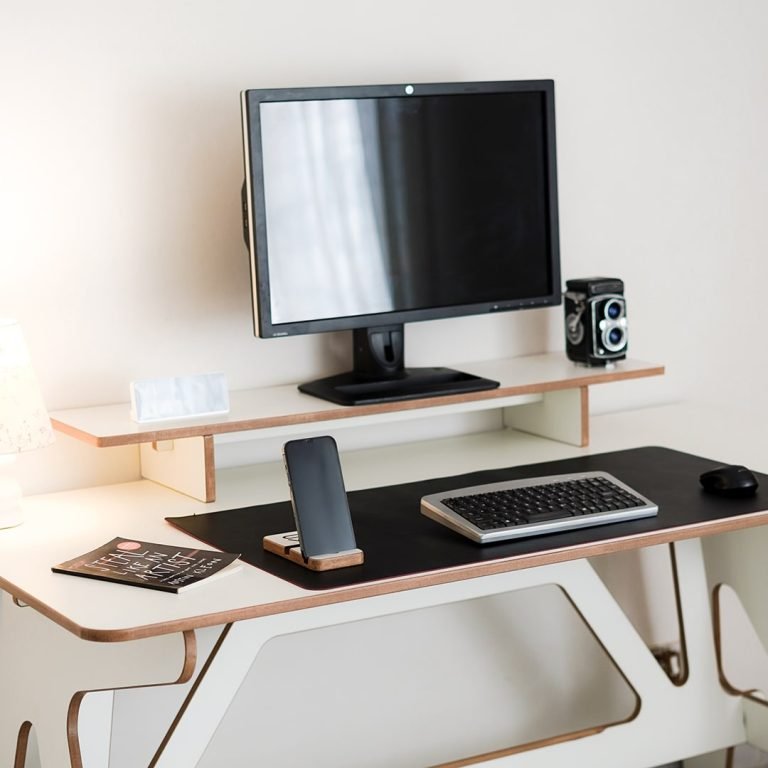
(546, 395)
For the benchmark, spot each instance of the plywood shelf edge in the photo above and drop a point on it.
(555, 414)
(273, 407)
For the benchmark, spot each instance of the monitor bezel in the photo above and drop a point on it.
(254, 215)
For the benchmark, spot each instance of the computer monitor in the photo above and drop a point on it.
(368, 207)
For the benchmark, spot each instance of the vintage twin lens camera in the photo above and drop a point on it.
(595, 320)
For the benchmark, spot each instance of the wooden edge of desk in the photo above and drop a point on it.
(532, 745)
(391, 586)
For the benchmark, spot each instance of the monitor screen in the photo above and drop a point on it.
(367, 207)
(398, 203)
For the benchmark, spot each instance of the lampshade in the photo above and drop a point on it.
(24, 422)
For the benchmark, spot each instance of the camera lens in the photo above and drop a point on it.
(614, 309)
(614, 338)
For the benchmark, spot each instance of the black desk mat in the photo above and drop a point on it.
(398, 540)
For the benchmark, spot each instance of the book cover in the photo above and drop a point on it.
(165, 567)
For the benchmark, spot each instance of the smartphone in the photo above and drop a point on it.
(318, 496)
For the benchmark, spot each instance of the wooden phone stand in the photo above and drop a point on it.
(287, 545)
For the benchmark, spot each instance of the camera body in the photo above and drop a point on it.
(595, 320)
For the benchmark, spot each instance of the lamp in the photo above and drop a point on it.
(24, 422)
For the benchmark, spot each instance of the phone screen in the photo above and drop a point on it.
(319, 499)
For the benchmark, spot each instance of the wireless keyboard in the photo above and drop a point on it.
(533, 506)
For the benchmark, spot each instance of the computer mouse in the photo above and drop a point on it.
(730, 480)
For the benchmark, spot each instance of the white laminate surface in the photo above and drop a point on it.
(62, 525)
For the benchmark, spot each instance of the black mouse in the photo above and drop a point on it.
(730, 480)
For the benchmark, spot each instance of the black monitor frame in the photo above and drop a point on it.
(379, 372)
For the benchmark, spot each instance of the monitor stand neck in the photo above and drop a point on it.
(378, 353)
(379, 374)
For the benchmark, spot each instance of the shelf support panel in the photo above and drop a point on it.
(561, 415)
(185, 464)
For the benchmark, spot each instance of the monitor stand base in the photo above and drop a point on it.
(352, 388)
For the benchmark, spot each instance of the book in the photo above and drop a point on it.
(165, 567)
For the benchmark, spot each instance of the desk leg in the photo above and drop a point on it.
(672, 721)
(737, 570)
(45, 671)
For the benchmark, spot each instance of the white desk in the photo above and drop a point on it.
(160, 630)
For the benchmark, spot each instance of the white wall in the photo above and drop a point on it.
(120, 170)
(120, 162)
